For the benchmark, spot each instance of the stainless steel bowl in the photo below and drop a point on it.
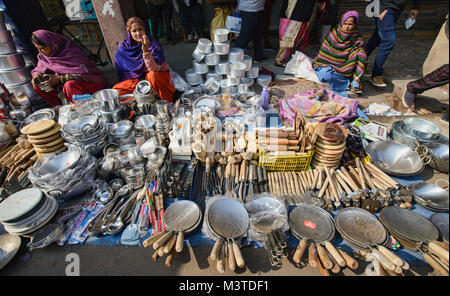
(220, 35)
(16, 76)
(5, 36)
(111, 116)
(23, 88)
(200, 68)
(394, 158)
(236, 55)
(248, 62)
(222, 48)
(7, 47)
(237, 70)
(145, 122)
(208, 102)
(11, 61)
(58, 163)
(420, 128)
(212, 59)
(143, 87)
(108, 99)
(121, 129)
(193, 78)
(222, 68)
(198, 55)
(253, 72)
(204, 45)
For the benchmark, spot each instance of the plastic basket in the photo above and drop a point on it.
(285, 163)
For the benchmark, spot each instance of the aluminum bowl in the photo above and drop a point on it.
(58, 163)
(111, 116)
(5, 36)
(15, 76)
(204, 45)
(143, 87)
(253, 72)
(108, 99)
(394, 158)
(236, 55)
(145, 122)
(222, 48)
(222, 68)
(212, 59)
(45, 113)
(23, 88)
(7, 47)
(220, 35)
(121, 129)
(193, 78)
(420, 128)
(200, 68)
(198, 55)
(237, 69)
(248, 62)
(12, 61)
(208, 102)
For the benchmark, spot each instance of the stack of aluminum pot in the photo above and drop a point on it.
(13, 71)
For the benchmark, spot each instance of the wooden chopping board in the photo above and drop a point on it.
(49, 144)
(49, 149)
(332, 147)
(55, 129)
(44, 140)
(38, 127)
(53, 152)
(329, 151)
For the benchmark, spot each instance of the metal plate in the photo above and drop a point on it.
(19, 204)
(409, 224)
(361, 226)
(9, 245)
(430, 195)
(312, 223)
(181, 215)
(228, 218)
(441, 222)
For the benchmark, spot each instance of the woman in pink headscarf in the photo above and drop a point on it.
(63, 66)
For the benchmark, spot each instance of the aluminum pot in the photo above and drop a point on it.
(108, 99)
(16, 76)
(244, 85)
(248, 62)
(216, 76)
(204, 45)
(230, 81)
(439, 156)
(222, 48)
(222, 68)
(212, 86)
(111, 116)
(198, 55)
(121, 129)
(237, 69)
(12, 61)
(5, 36)
(7, 47)
(200, 68)
(23, 88)
(193, 78)
(220, 35)
(420, 128)
(236, 55)
(212, 59)
(253, 72)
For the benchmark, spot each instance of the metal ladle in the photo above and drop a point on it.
(117, 223)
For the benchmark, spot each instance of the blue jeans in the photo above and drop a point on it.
(384, 37)
(338, 83)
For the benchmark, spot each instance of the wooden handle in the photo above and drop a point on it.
(342, 183)
(365, 173)
(361, 175)
(169, 246)
(180, 242)
(162, 240)
(384, 260)
(312, 256)
(220, 264)
(435, 265)
(323, 255)
(323, 189)
(231, 258)
(276, 184)
(291, 183)
(349, 260)
(161, 251)
(299, 182)
(149, 241)
(442, 244)
(155, 255)
(355, 176)
(215, 250)
(238, 255)
(346, 175)
(297, 187)
(169, 258)
(336, 268)
(386, 176)
(323, 271)
(378, 176)
(319, 179)
(391, 256)
(439, 251)
(298, 255)
(330, 180)
(336, 255)
(242, 171)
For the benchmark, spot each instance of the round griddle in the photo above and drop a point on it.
(408, 225)
(182, 215)
(312, 223)
(360, 227)
(20, 204)
(441, 222)
(228, 218)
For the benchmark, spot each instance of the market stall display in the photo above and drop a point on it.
(45, 136)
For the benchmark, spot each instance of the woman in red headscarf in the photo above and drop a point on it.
(63, 66)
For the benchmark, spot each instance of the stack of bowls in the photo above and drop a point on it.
(26, 211)
(330, 145)
(163, 122)
(110, 108)
(66, 175)
(13, 72)
(121, 133)
(88, 132)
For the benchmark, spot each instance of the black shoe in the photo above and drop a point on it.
(444, 117)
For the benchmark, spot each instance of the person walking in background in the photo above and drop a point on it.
(267, 21)
(252, 27)
(296, 19)
(384, 36)
(190, 9)
(157, 9)
(329, 18)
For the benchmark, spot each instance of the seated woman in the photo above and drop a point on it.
(63, 65)
(342, 60)
(139, 57)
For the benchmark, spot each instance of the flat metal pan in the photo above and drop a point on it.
(441, 222)
(360, 226)
(228, 218)
(9, 245)
(312, 223)
(430, 196)
(408, 224)
(181, 215)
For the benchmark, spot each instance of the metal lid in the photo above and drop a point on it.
(228, 218)
(312, 223)
(19, 204)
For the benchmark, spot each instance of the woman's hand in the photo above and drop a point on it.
(382, 14)
(145, 43)
(51, 79)
(36, 79)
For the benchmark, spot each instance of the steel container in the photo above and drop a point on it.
(214, 75)
(7, 47)
(248, 62)
(5, 36)
(222, 68)
(420, 128)
(222, 48)
(23, 88)
(193, 78)
(212, 86)
(198, 55)
(200, 68)
(11, 61)
(15, 76)
(108, 99)
(237, 70)
(204, 45)
(236, 55)
(253, 72)
(220, 35)
(212, 59)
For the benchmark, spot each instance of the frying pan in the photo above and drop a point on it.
(229, 219)
(430, 196)
(413, 227)
(441, 222)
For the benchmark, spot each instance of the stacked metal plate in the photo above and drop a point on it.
(440, 220)
(183, 215)
(430, 196)
(312, 223)
(360, 228)
(26, 211)
(87, 132)
(408, 227)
